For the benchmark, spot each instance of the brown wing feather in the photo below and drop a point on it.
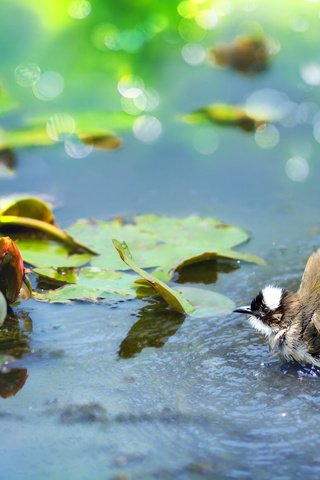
(311, 277)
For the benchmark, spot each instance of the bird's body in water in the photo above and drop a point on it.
(291, 321)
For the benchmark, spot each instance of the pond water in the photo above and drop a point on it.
(179, 398)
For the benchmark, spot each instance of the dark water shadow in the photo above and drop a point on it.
(206, 272)
(14, 344)
(157, 322)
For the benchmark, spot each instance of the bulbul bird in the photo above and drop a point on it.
(291, 321)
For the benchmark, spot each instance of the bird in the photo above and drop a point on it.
(291, 320)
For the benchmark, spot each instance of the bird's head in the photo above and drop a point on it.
(266, 310)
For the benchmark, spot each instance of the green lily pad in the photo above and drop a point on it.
(175, 299)
(44, 253)
(165, 242)
(21, 206)
(33, 213)
(92, 284)
(206, 302)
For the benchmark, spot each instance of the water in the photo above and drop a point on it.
(193, 398)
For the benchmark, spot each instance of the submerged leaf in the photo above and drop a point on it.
(248, 55)
(226, 115)
(173, 298)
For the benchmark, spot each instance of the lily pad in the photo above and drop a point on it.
(225, 115)
(22, 206)
(34, 214)
(166, 242)
(46, 253)
(206, 302)
(92, 284)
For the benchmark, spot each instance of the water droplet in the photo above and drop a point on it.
(48, 86)
(60, 126)
(79, 9)
(297, 169)
(27, 74)
(267, 137)
(193, 53)
(147, 128)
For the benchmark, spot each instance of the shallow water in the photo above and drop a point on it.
(184, 398)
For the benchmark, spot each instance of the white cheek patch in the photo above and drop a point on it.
(272, 297)
(260, 326)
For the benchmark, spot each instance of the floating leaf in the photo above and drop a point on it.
(173, 298)
(94, 121)
(22, 206)
(206, 302)
(158, 241)
(44, 253)
(102, 140)
(92, 284)
(226, 115)
(248, 55)
(33, 213)
(59, 275)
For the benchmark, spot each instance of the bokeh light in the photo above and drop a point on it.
(207, 19)
(205, 141)
(193, 53)
(310, 73)
(147, 128)
(75, 148)
(268, 103)
(27, 74)
(49, 85)
(79, 9)
(60, 126)
(130, 86)
(267, 137)
(297, 169)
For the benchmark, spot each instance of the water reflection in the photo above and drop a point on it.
(206, 272)
(14, 344)
(156, 324)
(12, 380)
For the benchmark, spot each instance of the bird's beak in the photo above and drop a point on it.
(246, 310)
